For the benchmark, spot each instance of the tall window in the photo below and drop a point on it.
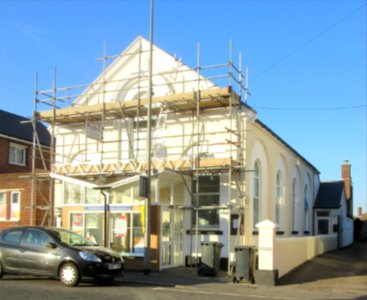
(256, 191)
(14, 206)
(2, 206)
(294, 205)
(306, 210)
(278, 196)
(208, 198)
(72, 193)
(17, 154)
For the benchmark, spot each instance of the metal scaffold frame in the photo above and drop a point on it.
(191, 104)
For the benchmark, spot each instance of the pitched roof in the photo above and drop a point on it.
(11, 125)
(257, 121)
(329, 194)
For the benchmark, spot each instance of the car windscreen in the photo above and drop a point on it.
(72, 239)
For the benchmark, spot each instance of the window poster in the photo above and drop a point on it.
(121, 226)
(77, 220)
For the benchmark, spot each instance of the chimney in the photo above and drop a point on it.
(359, 212)
(346, 176)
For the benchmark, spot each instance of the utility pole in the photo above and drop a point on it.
(149, 146)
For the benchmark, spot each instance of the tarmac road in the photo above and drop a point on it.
(340, 272)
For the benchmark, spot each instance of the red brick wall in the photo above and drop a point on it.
(5, 167)
(24, 185)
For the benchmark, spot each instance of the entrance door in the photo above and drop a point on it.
(171, 238)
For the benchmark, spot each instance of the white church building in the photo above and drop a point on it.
(216, 169)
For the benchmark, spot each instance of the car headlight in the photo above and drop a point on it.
(89, 257)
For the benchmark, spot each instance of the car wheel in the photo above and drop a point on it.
(1, 270)
(69, 274)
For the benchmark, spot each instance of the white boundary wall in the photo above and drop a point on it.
(292, 252)
(285, 254)
(347, 232)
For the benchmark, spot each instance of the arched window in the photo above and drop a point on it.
(294, 205)
(278, 196)
(256, 193)
(306, 210)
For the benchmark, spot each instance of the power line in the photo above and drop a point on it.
(307, 42)
(311, 108)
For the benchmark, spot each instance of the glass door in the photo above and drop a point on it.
(166, 234)
(171, 238)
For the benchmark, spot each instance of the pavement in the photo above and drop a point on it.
(339, 274)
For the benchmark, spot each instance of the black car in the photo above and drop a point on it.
(57, 253)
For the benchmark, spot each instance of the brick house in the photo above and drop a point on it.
(24, 181)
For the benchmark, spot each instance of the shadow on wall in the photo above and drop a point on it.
(360, 230)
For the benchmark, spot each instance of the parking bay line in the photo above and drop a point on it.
(205, 292)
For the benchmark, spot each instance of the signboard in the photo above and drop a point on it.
(94, 130)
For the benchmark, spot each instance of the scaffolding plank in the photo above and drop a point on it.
(217, 97)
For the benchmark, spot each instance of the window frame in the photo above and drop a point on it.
(12, 210)
(4, 206)
(278, 196)
(294, 205)
(256, 194)
(212, 192)
(306, 209)
(20, 151)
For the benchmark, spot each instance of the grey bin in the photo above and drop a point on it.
(244, 264)
(210, 258)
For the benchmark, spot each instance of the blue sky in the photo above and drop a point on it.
(306, 60)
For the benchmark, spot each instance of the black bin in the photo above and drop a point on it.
(244, 264)
(210, 258)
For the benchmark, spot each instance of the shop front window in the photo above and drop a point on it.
(93, 197)
(94, 227)
(127, 233)
(72, 193)
(77, 223)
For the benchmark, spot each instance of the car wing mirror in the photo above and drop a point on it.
(51, 245)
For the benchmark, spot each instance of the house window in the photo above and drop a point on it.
(256, 189)
(208, 202)
(17, 154)
(278, 196)
(323, 226)
(14, 206)
(2, 206)
(294, 205)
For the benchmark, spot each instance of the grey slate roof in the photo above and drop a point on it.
(329, 194)
(286, 144)
(10, 125)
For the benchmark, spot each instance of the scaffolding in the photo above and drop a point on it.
(122, 108)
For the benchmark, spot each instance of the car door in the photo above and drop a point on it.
(38, 253)
(9, 247)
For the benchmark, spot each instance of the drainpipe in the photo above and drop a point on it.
(106, 196)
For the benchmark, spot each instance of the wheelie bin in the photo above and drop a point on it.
(210, 258)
